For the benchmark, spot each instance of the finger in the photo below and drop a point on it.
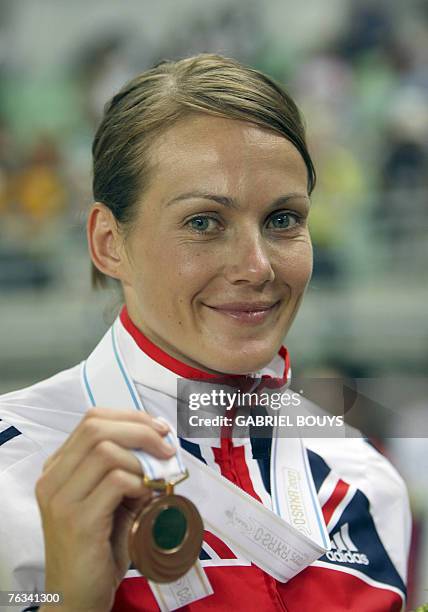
(102, 459)
(157, 423)
(160, 425)
(128, 435)
(98, 507)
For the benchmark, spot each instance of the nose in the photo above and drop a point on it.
(249, 260)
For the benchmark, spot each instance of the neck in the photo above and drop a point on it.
(275, 377)
(149, 343)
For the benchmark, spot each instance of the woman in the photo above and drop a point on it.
(202, 181)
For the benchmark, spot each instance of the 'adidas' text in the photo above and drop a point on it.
(343, 549)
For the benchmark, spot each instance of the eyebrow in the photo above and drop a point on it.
(230, 202)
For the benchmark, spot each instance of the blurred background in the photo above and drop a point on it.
(358, 70)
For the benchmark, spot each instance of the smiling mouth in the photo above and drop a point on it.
(245, 313)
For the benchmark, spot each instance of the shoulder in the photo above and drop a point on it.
(357, 462)
(354, 459)
(46, 391)
(34, 418)
(33, 422)
(21, 463)
(370, 476)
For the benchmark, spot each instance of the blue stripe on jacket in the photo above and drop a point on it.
(8, 434)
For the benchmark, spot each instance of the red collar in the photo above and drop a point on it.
(186, 371)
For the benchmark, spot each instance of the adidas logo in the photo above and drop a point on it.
(343, 549)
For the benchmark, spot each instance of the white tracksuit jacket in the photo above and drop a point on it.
(363, 499)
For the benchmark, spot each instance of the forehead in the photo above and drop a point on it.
(221, 153)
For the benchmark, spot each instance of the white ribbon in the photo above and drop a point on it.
(281, 543)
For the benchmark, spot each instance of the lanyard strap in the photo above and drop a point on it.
(276, 541)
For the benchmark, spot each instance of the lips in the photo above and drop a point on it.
(245, 312)
(244, 306)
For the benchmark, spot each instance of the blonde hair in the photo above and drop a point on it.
(153, 101)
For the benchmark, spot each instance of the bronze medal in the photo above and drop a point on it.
(166, 539)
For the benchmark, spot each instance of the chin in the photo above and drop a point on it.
(244, 361)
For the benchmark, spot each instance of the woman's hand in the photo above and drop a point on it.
(89, 494)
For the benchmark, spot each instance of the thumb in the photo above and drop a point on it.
(123, 520)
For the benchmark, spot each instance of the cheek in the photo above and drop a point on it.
(173, 273)
(295, 265)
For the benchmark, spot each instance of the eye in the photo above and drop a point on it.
(203, 223)
(283, 220)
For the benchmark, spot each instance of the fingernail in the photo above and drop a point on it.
(160, 425)
(168, 448)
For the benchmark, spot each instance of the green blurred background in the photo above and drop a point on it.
(358, 70)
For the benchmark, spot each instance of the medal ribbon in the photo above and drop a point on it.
(281, 543)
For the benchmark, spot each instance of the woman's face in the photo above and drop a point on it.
(220, 254)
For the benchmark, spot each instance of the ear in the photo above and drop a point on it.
(105, 241)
